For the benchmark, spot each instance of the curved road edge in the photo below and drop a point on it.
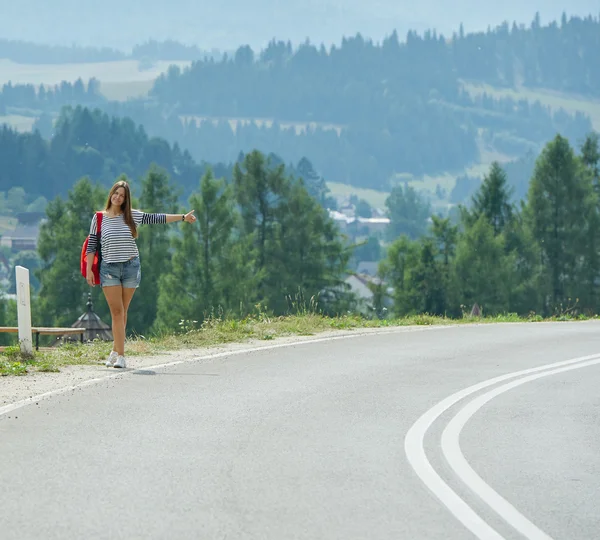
(53, 384)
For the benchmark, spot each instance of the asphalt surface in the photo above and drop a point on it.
(322, 441)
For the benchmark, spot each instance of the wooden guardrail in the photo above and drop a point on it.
(45, 331)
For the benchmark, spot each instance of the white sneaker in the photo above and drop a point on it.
(112, 358)
(120, 362)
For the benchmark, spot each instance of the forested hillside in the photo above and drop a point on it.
(93, 144)
(362, 112)
(87, 143)
(559, 55)
(26, 52)
(226, 23)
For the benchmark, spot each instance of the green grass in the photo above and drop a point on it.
(425, 183)
(447, 180)
(373, 197)
(124, 90)
(18, 122)
(119, 80)
(555, 100)
(218, 332)
(13, 367)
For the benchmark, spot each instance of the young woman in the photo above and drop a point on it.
(120, 271)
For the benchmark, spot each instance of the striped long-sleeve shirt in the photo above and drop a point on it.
(117, 243)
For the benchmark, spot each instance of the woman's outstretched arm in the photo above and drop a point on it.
(189, 217)
(145, 218)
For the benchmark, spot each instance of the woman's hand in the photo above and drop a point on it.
(90, 278)
(190, 217)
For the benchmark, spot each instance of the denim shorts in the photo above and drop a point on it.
(127, 274)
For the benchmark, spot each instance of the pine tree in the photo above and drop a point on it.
(158, 196)
(402, 258)
(63, 291)
(216, 221)
(483, 272)
(492, 200)
(408, 213)
(557, 210)
(590, 157)
(259, 190)
(309, 254)
(427, 280)
(445, 235)
(183, 283)
(590, 153)
(315, 184)
(206, 275)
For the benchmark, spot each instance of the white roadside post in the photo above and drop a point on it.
(24, 311)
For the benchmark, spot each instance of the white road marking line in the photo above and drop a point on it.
(455, 458)
(415, 451)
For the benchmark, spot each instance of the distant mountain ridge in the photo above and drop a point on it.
(229, 23)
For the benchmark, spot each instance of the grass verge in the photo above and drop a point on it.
(555, 100)
(23, 124)
(373, 197)
(216, 332)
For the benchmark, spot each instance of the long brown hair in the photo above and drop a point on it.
(125, 206)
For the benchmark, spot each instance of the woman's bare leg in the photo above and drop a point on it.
(114, 298)
(127, 296)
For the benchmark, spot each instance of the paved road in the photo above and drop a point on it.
(372, 437)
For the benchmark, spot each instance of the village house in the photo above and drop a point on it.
(25, 236)
(356, 226)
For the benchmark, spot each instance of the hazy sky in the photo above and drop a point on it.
(230, 23)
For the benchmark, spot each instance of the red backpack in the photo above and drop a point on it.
(84, 255)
